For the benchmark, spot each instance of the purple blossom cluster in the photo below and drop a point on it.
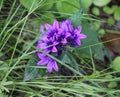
(58, 36)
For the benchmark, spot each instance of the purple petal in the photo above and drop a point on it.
(55, 24)
(55, 66)
(60, 31)
(41, 45)
(82, 36)
(42, 62)
(47, 50)
(48, 26)
(79, 28)
(64, 41)
(55, 43)
(67, 34)
(40, 55)
(49, 66)
(70, 28)
(41, 28)
(68, 22)
(77, 32)
(64, 26)
(44, 38)
(52, 38)
(54, 49)
(78, 42)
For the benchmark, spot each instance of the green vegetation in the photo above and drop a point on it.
(89, 70)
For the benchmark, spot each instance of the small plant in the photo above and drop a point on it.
(59, 48)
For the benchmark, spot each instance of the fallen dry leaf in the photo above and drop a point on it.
(112, 41)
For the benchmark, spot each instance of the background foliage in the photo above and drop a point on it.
(90, 70)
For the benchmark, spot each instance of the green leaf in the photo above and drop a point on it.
(111, 21)
(33, 24)
(92, 37)
(108, 10)
(116, 64)
(31, 70)
(95, 11)
(114, 7)
(101, 31)
(86, 3)
(3, 95)
(112, 85)
(65, 59)
(76, 18)
(28, 3)
(69, 59)
(97, 25)
(91, 41)
(117, 14)
(48, 4)
(101, 3)
(48, 18)
(67, 6)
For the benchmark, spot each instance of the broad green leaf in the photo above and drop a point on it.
(31, 70)
(33, 24)
(48, 18)
(101, 3)
(46, 5)
(91, 41)
(117, 14)
(65, 59)
(92, 37)
(3, 95)
(114, 7)
(97, 25)
(111, 21)
(95, 11)
(112, 85)
(86, 3)
(101, 31)
(28, 3)
(108, 10)
(67, 6)
(69, 59)
(116, 64)
(76, 18)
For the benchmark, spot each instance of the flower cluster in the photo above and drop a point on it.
(58, 36)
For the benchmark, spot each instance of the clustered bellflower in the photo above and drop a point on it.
(58, 36)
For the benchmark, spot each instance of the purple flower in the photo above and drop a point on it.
(57, 37)
(51, 64)
(75, 34)
(49, 45)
